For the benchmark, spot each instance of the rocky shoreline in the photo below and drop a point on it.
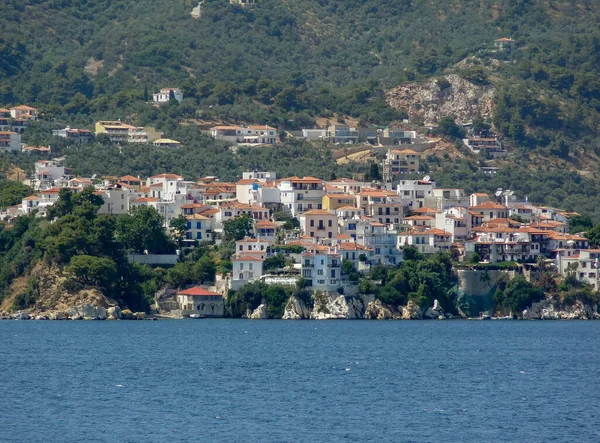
(325, 306)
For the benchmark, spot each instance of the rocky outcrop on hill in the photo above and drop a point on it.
(331, 305)
(450, 95)
(377, 311)
(296, 309)
(551, 310)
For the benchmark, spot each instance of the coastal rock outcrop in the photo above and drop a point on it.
(435, 312)
(331, 305)
(259, 313)
(126, 314)
(412, 311)
(550, 310)
(295, 309)
(113, 313)
(376, 311)
(20, 316)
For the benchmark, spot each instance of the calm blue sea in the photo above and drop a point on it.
(305, 381)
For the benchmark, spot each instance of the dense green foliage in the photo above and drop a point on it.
(419, 278)
(78, 239)
(12, 192)
(517, 294)
(285, 62)
(250, 296)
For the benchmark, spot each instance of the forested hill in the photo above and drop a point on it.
(46, 45)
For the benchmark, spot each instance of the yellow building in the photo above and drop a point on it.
(404, 161)
(335, 201)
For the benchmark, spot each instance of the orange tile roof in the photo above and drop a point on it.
(489, 205)
(318, 212)
(197, 291)
(130, 178)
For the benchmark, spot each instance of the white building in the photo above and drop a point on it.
(255, 134)
(261, 176)
(246, 269)
(301, 194)
(75, 136)
(10, 141)
(322, 270)
(164, 96)
(116, 200)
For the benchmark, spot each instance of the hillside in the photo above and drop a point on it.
(292, 64)
(290, 60)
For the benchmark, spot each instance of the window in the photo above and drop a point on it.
(198, 225)
(250, 266)
(333, 273)
(312, 223)
(241, 266)
(199, 235)
(189, 225)
(330, 223)
(319, 272)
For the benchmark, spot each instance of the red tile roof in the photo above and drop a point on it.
(197, 291)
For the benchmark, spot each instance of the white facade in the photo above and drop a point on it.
(301, 194)
(164, 96)
(116, 200)
(10, 141)
(323, 271)
(246, 269)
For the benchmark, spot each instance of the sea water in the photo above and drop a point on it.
(299, 381)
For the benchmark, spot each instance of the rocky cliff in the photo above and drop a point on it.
(435, 98)
(333, 306)
(54, 302)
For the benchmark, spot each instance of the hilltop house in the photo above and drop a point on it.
(76, 136)
(255, 134)
(504, 44)
(165, 95)
(119, 132)
(24, 111)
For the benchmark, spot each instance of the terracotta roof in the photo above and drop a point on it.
(425, 211)
(405, 152)
(265, 224)
(197, 291)
(341, 195)
(248, 258)
(259, 127)
(246, 181)
(145, 200)
(489, 205)
(351, 246)
(23, 108)
(175, 176)
(318, 212)
(419, 217)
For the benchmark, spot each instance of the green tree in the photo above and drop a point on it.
(142, 230)
(238, 228)
(179, 228)
(93, 271)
